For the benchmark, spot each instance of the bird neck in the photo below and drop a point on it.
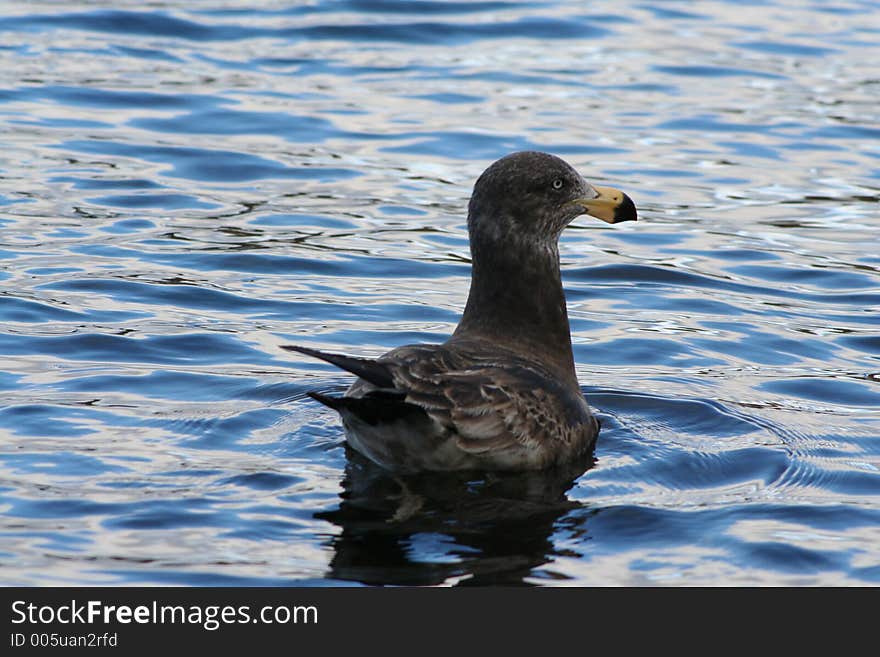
(516, 301)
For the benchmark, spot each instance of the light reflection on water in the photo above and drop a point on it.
(186, 188)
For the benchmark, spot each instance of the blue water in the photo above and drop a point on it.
(185, 188)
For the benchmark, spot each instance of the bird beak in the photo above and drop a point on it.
(610, 205)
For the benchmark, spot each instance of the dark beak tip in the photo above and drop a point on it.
(626, 211)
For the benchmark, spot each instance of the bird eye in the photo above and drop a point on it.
(557, 184)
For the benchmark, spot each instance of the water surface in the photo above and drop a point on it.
(186, 186)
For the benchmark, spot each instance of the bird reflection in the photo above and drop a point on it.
(458, 528)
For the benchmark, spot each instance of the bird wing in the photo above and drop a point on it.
(491, 403)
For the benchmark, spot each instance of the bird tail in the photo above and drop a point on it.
(374, 408)
(369, 370)
(384, 404)
(336, 403)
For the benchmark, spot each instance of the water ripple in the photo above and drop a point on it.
(185, 188)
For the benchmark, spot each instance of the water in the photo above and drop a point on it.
(187, 186)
